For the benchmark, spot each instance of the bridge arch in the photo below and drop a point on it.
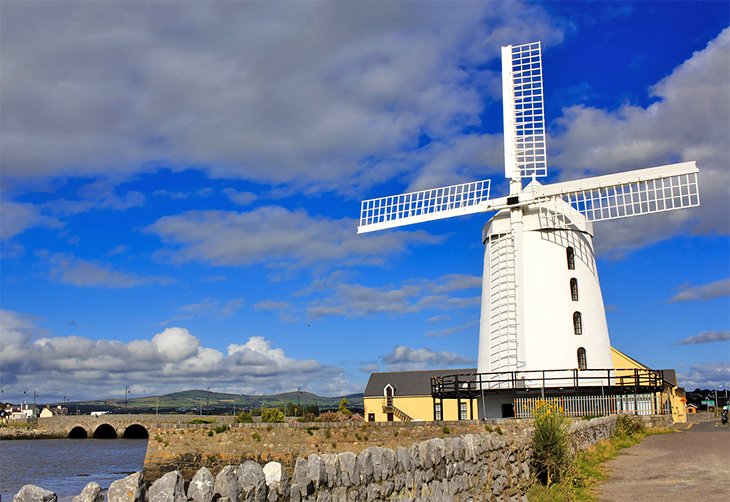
(78, 432)
(105, 431)
(136, 431)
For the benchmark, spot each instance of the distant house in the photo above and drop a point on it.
(406, 395)
(690, 409)
(48, 412)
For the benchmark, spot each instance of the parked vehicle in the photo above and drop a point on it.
(723, 416)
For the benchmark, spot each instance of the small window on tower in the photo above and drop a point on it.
(571, 258)
(577, 323)
(574, 289)
(582, 362)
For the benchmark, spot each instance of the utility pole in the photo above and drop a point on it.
(207, 401)
(157, 406)
(126, 402)
(299, 394)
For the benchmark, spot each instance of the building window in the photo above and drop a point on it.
(371, 417)
(577, 323)
(571, 258)
(437, 412)
(582, 363)
(462, 410)
(574, 289)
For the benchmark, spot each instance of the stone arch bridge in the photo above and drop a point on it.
(118, 426)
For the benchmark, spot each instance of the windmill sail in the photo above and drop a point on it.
(425, 205)
(524, 116)
(631, 193)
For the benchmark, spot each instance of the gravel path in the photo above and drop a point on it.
(690, 465)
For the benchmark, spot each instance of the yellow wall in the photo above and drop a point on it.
(417, 407)
(675, 394)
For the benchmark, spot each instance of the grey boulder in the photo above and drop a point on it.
(33, 493)
(169, 488)
(129, 489)
(90, 493)
(202, 486)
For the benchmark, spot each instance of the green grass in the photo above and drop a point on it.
(588, 469)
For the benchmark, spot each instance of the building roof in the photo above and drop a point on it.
(407, 383)
(670, 376)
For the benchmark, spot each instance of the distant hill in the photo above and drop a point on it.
(191, 401)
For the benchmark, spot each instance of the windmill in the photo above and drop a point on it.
(541, 306)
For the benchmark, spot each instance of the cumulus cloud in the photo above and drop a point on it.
(68, 269)
(171, 360)
(273, 92)
(705, 376)
(705, 292)
(403, 358)
(356, 300)
(706, 337)
(274, 234)
(16, 218)
(688, 121)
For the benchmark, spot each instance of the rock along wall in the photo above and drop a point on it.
(480, 466)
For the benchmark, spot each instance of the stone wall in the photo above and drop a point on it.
(189, 449)
(460, 465)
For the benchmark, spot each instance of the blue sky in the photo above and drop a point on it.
(181, 183)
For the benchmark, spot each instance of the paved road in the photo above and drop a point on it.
(690, 465)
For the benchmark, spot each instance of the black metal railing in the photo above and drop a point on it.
(609, 380)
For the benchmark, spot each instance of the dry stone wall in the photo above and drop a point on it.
(471, 466)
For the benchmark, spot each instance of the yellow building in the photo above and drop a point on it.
(671, 396)
(406, 396)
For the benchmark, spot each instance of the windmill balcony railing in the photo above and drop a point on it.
(607, 381)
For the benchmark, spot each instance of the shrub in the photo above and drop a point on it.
(628, 425)
(210, 433)
(327, 433)
(256, 436)
(446, 430)
(551, 443)
(201, 420)
(220, 429)
(329, 416)
(343, 407)
(244, 418)
(272, 415)
(312, 428)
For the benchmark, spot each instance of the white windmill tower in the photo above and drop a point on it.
(542, 307)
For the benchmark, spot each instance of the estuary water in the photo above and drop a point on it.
(65, 466)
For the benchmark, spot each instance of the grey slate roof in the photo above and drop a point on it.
(407, 383)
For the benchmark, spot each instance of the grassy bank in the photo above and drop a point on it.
(588, 470)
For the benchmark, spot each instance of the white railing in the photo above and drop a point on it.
(581, 406)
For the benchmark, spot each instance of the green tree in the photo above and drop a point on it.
(343, 407)
(272, 415)
(244, 418)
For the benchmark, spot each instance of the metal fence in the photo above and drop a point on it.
(581, 406)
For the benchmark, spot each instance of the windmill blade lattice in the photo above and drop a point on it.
(631, 193)
(425, 205)
(524, 115)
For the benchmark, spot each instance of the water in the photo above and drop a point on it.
(65, 466)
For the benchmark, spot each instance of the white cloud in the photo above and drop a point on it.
(297, 93)
(452, 330)
(276, 235)
(403, 358)
(16, 218)
(710, 375)
(706, 337)
(240, 198)
(68, 269)
(717, 289)
(356, 300)
(171, 360)
(689, 121)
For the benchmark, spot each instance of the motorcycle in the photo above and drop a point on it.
(723, 416)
